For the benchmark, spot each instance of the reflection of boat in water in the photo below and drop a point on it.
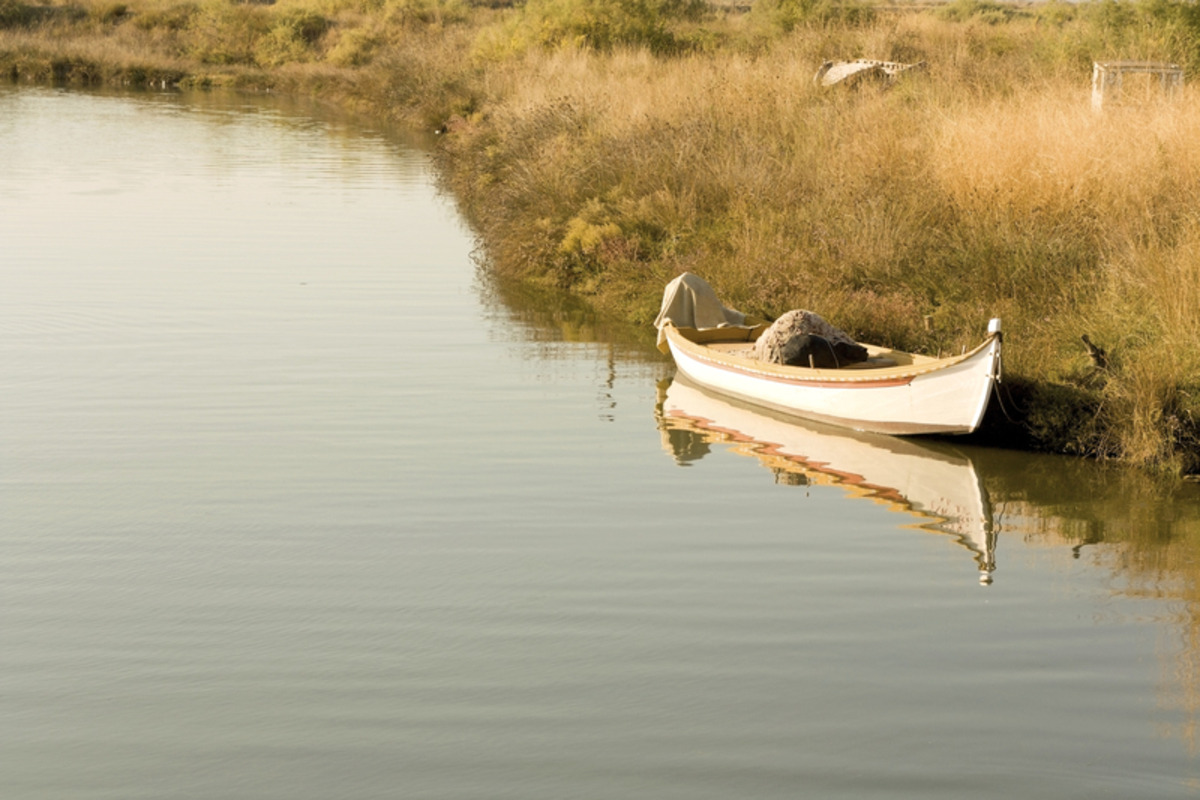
(937, 486)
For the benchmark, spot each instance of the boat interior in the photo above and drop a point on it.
(878, 357)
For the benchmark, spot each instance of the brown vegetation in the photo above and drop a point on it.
(604, 147)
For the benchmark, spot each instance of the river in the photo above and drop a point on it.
(296, 501)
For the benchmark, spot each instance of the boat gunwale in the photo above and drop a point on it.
(807, 376)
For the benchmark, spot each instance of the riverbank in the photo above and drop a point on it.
(605, 147)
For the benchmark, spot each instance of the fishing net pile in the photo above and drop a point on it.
(803, 339)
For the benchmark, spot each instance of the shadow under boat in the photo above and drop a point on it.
(934, 483)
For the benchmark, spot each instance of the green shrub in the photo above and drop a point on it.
(786, 15)
(424, 12)
(982, 10)
(291, 36)
(110, 13)
(172, 18)
(354, 48)
(605, 24)
(220, 33)
(14, 14)
(1056, 12)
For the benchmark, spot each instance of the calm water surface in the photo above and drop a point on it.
(296, 504)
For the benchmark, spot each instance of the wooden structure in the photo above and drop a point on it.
(1108, 78)
(835, 72)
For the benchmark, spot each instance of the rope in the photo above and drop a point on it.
(996, 389)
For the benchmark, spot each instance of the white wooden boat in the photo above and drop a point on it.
(892, 392)
(933, 484)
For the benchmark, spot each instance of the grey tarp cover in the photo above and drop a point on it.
(689, 302)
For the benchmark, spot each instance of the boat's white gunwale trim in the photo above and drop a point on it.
(805, 376)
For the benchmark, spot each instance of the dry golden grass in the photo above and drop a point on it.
(983, 185)
(1047, 152)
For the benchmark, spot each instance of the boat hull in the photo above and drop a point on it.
(947, 396)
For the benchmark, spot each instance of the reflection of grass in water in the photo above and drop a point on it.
(548, 314)
(1145, 531)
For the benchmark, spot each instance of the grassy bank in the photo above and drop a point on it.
(604, 147)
